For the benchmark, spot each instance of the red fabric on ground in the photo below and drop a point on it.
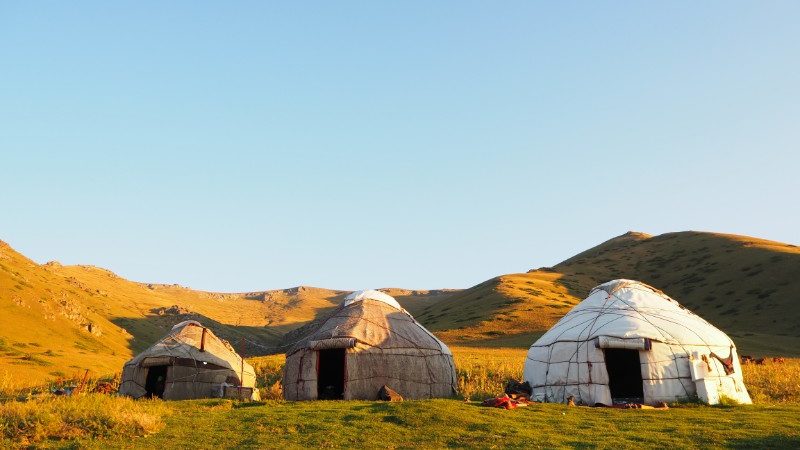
(504, 402)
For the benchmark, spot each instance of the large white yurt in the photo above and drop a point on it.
(628, 342)
(365, 343)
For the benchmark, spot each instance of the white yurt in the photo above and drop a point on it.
(367, 342)
(628, 342)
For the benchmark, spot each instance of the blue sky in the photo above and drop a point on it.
(241, 146)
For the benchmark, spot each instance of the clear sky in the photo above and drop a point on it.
(239, 146)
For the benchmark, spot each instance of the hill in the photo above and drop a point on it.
(748, 287)
(57, 320)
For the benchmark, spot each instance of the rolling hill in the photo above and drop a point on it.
(57, 320)
(749, 287)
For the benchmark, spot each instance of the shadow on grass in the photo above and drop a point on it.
(763, 442)
(243, 405)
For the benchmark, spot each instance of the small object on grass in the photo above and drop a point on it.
(82, 384)
(660, 405)
(388, 394)
(571, 400)
(516, 389)
(104, 388)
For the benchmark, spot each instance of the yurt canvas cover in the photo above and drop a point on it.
(629, 342)
(190, 362)
(367, 342)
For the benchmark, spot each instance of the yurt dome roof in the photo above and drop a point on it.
(631, 309)
(371, 294)
(372, 323)
(186, 323)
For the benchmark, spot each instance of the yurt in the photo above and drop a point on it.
(367, 342)
(189, 362)
(630, 343)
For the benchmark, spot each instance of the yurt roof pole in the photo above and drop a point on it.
(203, 340)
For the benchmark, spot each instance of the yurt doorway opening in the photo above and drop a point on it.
(156, 381)
(330, 381)
(624, 375)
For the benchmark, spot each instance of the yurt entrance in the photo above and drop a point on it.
(156, 381)
(330, 378)
(624, 375)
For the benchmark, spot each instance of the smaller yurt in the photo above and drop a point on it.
(630, 343)
(189, 362)
(367, 342)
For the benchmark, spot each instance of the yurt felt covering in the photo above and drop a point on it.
(197, 364)
(678, 354)
(381, 345)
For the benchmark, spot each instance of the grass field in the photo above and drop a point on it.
(99, 421)
(436, 424)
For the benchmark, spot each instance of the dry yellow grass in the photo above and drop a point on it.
(773, 382)
(269, 373)
(483, 373)
(81, 416)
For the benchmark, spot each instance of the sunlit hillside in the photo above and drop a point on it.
(506, 310)
(749, 287)
(58, 320)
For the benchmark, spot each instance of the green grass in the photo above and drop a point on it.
(453, 423)
(96, 421)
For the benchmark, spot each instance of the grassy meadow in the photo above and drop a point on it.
(102, 421)
(443, 423)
